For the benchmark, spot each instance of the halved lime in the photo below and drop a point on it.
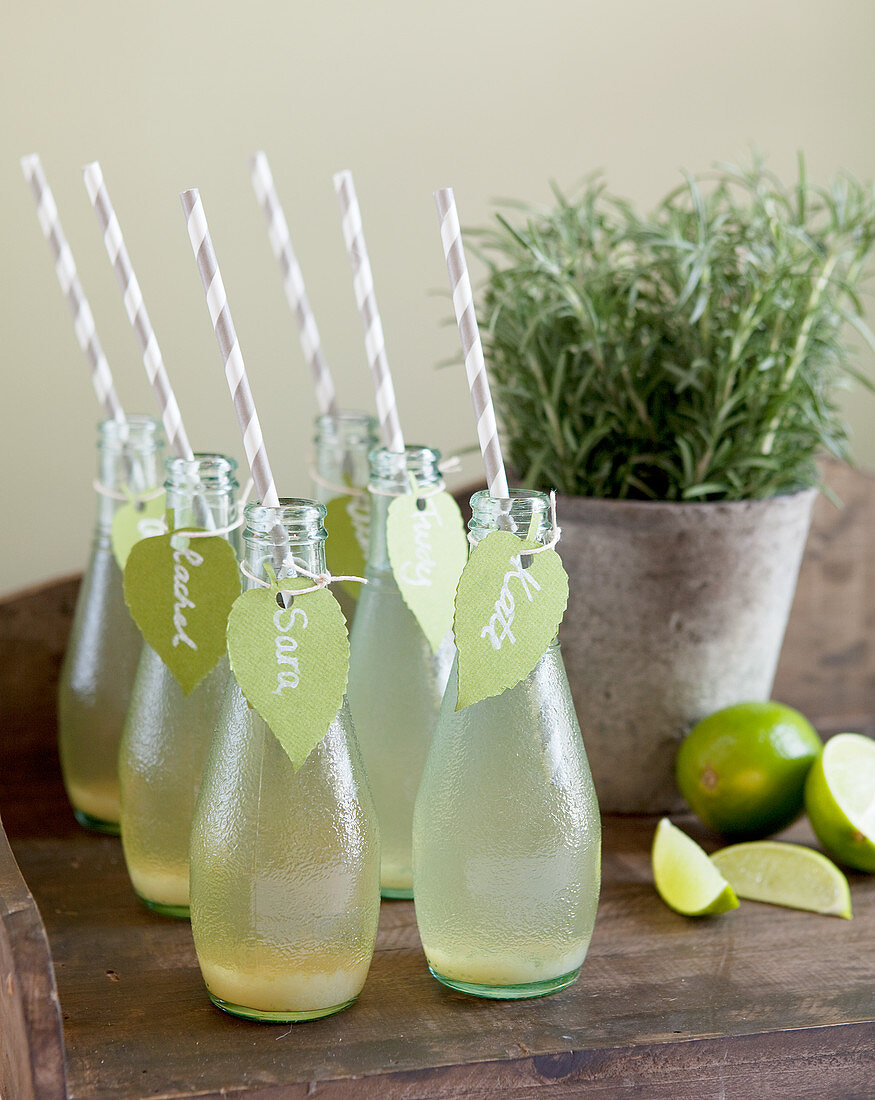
(686, 880)
(840, 799)
(785, 874)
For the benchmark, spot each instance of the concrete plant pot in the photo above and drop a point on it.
(676, 610)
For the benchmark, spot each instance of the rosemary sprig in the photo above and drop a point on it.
(692, 354)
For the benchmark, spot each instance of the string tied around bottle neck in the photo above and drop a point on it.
(137, 499)
(321, 580)
(227, 529)
(550, 544)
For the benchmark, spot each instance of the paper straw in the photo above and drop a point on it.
(363, 283)
(65, 268)
(293, 281)
(232, 357)
(177, 440)
(475, 366)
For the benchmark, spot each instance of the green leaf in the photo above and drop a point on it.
(428, 550)
(291, 663)
(348, 522)
(179, 592)
(134, 521)
(508, 610)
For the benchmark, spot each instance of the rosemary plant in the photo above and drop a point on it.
(693, 354)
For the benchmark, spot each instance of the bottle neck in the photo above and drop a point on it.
(128, 462)
(202, 492)
(287, 539)
(391, 473)
(343, 443)
(524, 511)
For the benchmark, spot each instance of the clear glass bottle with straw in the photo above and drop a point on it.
(506, 832)
(284, 864)
(396, 680)
(104, 645)
(167, 733)
(342, 444)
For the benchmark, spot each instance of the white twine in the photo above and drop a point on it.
(226, 530)
(554, 538)
(421, 494)
(134, 498)
(322, 579)
(343, 490)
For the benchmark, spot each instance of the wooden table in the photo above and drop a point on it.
(756, 1003)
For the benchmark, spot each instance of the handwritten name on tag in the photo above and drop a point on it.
(509, 605)
(427, 551)
(179, 592)
(135, 521)
(348, 522)
(291, 663)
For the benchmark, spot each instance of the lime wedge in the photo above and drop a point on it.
(785, 874)
(686, 880)
(840, 799)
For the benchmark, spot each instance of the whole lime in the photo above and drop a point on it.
(743, 769)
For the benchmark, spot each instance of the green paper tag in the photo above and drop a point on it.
(348, 522)
(291, 663)
(428, 550)
(179, 597)
(135, 521)
(506, 614)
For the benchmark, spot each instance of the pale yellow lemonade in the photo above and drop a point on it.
(507, 836)
(100, 661)
(164, 747)
(396, 681)
(284, 864)
(167, 733)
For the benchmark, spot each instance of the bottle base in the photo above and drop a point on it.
(394, 893)
(280, 1017)
(96, 824)
(183, 912)
(510, 992)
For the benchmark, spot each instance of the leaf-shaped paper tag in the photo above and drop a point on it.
(138, 519)
(348, 522)
(508, 608)
(291, 663)
(427, 550)
(179, 596)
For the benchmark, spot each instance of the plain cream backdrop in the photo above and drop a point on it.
(493, 97)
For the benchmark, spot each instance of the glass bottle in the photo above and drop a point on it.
(343, 443)
(396, 680)
(98, 669)
(284, 864)
(167, 733)
(506, 833)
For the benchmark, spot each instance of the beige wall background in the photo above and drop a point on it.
(494, 97)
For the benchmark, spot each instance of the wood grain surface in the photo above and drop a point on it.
(759, 1002)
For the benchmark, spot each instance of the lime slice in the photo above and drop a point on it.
(785, 874)
(840, 799)
(686, 880)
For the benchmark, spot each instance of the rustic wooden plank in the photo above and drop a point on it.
(827, 667)
(31, 1035)
(138, 1022)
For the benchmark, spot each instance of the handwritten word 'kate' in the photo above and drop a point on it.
(419, 573)
(500, 621)
(285, 648)
(181, 599)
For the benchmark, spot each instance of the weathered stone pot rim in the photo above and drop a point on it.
(621, 506)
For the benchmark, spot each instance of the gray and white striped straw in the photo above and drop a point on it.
(363, 283)
(293, 281)
(475, 366)
(177, 440)
(65, 268)
(232, 357)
